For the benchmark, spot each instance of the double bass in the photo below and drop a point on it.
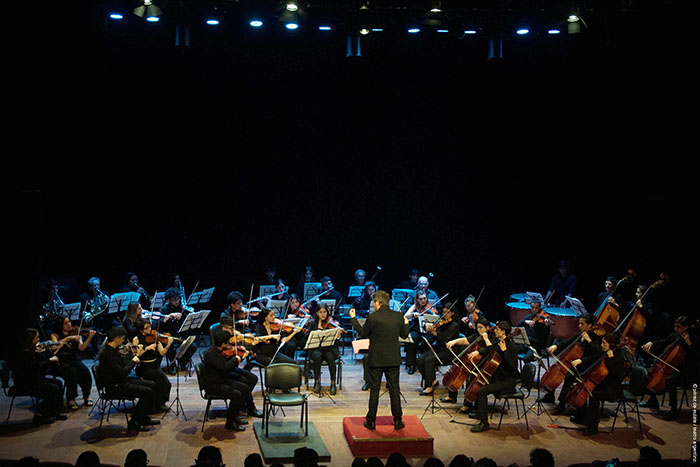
(636, 322)
(608, 314)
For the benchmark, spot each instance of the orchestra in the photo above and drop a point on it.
(458, 350)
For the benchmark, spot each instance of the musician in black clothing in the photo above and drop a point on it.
(329, 293)
(29, 371)
(363, 303)
(483, 336)
(442, 331)
(688, 369)
(608, 389)
(235, 311)
(114, 372)
(175, 313)
(131, 284)
(268, 340)
(590, 343)
(503, 379)
(70, 365)
(241, 376)
(217, 369)
(383, 329)
(536, 326)
(149, 367)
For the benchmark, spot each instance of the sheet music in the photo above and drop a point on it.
(577, 305)
(194, 320)
(158, 300)
(201, 297)
(72, 310)
(119, 301)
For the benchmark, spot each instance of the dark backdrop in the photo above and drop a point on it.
(235, 153)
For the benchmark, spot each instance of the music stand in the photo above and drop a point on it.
(267, 290)
(180, 352)
(321, 338)
(278, 305)
(534, 297)
(355, 291)
(311, 289)
(433, 405)
(200, 298)
(158, 300)
(193, 321)
(120, 301)
(577, 305)
(522, 339)
(72, 310)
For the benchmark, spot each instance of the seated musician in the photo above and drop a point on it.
(114, 372)
(536, 324)
(236, 311)
(363, 303)
(295, 310)
(149, 363)
(240, 375)
(420, 306)
(610, 388)
(217, 369)
(329, 293)
(322, 320)
(484, 338)
(133, 313)
(683, 334)
(442, 331)
(270, 337)
(471, 316)
(590, 343)
(70, 365)
(503, 379)
(29, 371)
(175, 313)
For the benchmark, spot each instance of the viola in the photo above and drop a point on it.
(154, 336)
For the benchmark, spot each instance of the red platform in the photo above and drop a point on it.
(411, 441)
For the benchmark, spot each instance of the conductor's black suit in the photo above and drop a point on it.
(383, 329)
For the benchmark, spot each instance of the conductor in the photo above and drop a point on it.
(383, 329)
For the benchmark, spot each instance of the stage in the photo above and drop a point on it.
(176, 442)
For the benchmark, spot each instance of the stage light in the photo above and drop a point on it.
(522, 31)
(292, 6)
(213, 22)
(364, 31)
(291, 26)
(116, 16)
(470, 31)
(255, 23)
(413, 30)
(149, 11)
(291, 15)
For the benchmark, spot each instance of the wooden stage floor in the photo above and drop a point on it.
(176, 442)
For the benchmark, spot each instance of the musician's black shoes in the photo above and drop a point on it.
(671, 415)
(482, 426)
(366, 387)
(136, 426)
(448, 399)
(233, 426)
(254, 412)
(590, 431)
(652, 403)
(333, 389)
(558, 410)
(399, 424)
(369, 424)
(549, 397)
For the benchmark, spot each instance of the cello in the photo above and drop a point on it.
(608, 314)
(485, 369)
(462, 366)
(592, 377)
(667, 363)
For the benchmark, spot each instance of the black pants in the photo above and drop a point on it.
(245, 376)
(75, 374)
(329, 354)
(153, 372)
(569, 381)
(482, 407)
(141, 389)
(590, 413)
(50, 394)
(411, 348)
(392, 383)
(427, 364)
(232, 395)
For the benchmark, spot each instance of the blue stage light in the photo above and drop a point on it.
(291, 26)
(554, 31)
(213, 22)
(522, 31)
(116, 16)
(256, 23)
(153, 19)
(414, 30)
(324, 28)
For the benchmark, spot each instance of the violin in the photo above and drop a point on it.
(234, 351)
(331, 323)
(128, 348)
(278, 325)
(541, 316)
(154, 336)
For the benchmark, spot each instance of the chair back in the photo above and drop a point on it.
(5, 374)
(213, 329)
(283, 376)
(200, 370)
(527, 376)
(97, 376)
(638, 381)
